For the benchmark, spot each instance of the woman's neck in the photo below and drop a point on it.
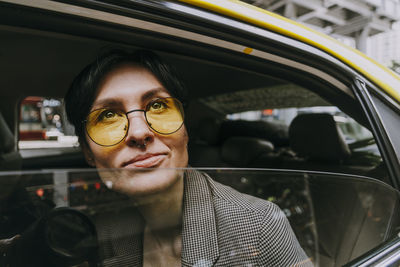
(164, 209)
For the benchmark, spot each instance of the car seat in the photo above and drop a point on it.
(320, 145)
(242, 151)
(318, 138)
(204, 148)
(229, 143)
(277, 133)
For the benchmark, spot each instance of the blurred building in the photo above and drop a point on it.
(384, 48)
(344, 19)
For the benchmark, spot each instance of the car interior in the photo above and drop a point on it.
(47, 73)
(42, 63)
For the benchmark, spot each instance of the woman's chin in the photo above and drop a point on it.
(139, 182)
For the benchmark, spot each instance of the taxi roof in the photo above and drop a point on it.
(372, 70)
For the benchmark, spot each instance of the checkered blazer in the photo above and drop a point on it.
(221, 227)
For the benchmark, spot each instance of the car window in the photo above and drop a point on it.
(44, 134)
(43, 124)
(389, 118)
(288, 127)
(83, 210)
(351, 130)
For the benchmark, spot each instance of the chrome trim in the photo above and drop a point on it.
(390, 260)
(375, 260)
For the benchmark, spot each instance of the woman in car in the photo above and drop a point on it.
(127, 109)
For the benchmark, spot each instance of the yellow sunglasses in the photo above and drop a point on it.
(108, 127)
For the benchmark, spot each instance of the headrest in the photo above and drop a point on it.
(208, 131)
(317, 137)
(6, 137)
(240, 151)
(277, 133)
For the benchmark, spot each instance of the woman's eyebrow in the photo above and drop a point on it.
(153, 92)
(107, 102)
(117, 102)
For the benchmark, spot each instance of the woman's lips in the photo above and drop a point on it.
(146, 161)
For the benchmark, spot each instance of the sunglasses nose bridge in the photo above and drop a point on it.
(135, 110)
(137, 114)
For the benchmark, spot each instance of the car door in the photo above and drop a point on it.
(227, 62)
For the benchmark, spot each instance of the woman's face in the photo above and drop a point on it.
(129, 87)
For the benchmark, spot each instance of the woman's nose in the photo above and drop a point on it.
(139, 133)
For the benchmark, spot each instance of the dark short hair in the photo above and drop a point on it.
(82, 92)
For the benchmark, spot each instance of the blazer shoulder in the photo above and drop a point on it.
(240, 200)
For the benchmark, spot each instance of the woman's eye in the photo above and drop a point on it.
(158, 106)
(107, 114)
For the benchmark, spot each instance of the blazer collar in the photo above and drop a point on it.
(199, 229)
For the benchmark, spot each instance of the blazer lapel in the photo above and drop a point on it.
(121, 240)
(199, 230)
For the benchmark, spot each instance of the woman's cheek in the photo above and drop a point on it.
(105, 156)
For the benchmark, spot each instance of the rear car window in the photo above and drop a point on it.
(351, 130)
(43, 124)
(286, 127)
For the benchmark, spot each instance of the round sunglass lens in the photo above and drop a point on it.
(165, 115)
(106, 127)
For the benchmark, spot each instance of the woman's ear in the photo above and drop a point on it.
(88, 155)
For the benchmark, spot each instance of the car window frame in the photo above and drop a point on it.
(381, 136)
